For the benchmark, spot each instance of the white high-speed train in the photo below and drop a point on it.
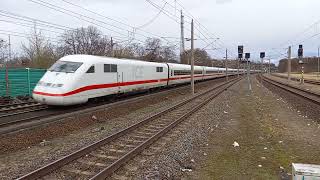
(75, 79)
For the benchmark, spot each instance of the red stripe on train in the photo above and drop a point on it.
(103, 86)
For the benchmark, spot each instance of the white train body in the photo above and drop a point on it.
(75, 79)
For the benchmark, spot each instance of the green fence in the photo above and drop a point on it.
(21, 81)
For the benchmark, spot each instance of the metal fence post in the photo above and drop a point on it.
(29, 85)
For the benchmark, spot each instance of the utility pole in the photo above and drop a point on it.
(112, 44)
(226, 65)
(182, 48)
(238, 64)
(289, 64)
(300, 56)
(269, 66)
(248, 75)
(192, 58)
(262, 55)
(247, 56)
(318, 65)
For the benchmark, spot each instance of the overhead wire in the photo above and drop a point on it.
(153, 19)
(111, 19)
(201, 29)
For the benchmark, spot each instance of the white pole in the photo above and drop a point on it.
(226, 64)
(248, 76)
(192, 58)
(318, 65)
(289, 64)
(182, 37)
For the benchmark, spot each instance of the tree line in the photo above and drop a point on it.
(42, 52)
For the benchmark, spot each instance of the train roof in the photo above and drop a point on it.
(99, 59)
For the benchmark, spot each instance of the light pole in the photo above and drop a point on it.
(247, 57)
(192, 58)
(318, 65)
(226, 65)
(289, 64)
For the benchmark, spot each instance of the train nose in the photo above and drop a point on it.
(48, 99)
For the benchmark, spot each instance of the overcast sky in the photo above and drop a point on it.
(259, 25)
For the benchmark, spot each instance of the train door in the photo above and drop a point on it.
(120, 78)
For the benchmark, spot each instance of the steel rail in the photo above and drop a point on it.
(41, 172)
(315, 82)
(311, 96)
(14, 104)
(53, 117)
(18, 107)
(31, 109)
(116, 165)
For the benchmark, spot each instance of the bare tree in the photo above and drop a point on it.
(201, 57)
(156, 52)
(3, 51)
(85, 41)
(153, 48)
(39, 51)
(168, 54)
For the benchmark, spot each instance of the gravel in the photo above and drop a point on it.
(177, 153)
(29, 150)
(271, 136)
(305, 107)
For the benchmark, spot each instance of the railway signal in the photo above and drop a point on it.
(300, 51)
(300, 56)
(240, 52)
(262, 55)
(247, 57)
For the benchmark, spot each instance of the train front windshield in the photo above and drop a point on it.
(65, 66)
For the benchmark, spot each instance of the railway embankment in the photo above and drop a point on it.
(237, 135)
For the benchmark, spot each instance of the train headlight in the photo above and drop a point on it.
(40, 83)
(56, 85)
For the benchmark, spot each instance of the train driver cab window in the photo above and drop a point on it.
(90, 70)
(65, 66)
(113, 68)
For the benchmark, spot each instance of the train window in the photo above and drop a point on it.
(185, 72)
(110, 68)
(159, 69)
(114, 68)
(65, 66)
(211, 72)
(90, 70)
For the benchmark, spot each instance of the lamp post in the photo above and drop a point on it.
(318, 64)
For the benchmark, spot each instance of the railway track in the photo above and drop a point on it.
(309, 95)
(11, 123)
(315, 82)
(20, 108)
(101, 159)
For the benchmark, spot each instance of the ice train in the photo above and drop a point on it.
(75, 79)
